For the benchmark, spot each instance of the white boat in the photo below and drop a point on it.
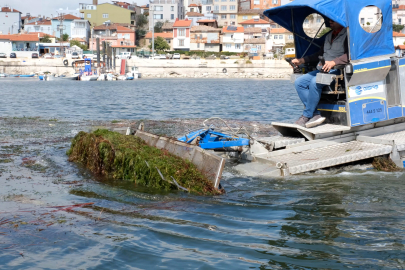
(134, 73)
(3, 75)
(109, 77)
(122, 77)
(89, 78)
(102, 77)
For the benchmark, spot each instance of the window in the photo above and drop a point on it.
(256, 2)
(181, 42)
(245, 17)
(306, 21)
(223, 16)
(88, 15)
(126, 36)
(233, 16)
(280, 36)
(200, 36)
(158, 16)
(172, 8)
(290, 37)
(237, 46)
(182, 32)
(172, 16)
(275, 36)
(208, 8)
(216, 7)
(198, 45)
(158, 8)
(231, 36)
(119, 35)
(275, 2)
(168, 41)
(191, 9)
(223, 7)
(259, 47)
(195, 36)
(223, 0)
(318, 20)
(362, 21)
(216, 0)
(105, 15)
(228, 46)
(232, 7)
(399, 21)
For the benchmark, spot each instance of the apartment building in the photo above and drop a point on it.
(248, 14)
(226, 10)
(256, 22)
(10, 19)
(165, 10)
(97, 14)
(44, 26)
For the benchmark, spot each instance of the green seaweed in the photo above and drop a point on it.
(119, 156)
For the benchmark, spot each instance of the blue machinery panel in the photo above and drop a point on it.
(371, 66)
(394, 112)
(366, 111)
(210, 139)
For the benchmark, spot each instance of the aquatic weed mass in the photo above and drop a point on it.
(118, 156)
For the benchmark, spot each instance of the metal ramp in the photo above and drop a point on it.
(319, 132)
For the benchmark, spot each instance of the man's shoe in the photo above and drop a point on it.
(315, 121)
(302, 121)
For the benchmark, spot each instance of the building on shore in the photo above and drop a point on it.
(44, 26)
(205, 38)
(74, 26)
(116, 35)
(248, 14)
(181, 34)
(226, 12)
(147, 40)
(10, 19)
(232, 39)
(255, 22)
(21, 44)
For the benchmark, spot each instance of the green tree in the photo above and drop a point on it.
(78, 44)
(160, 44)
(397, 27)
(141, 20)
(46, 39)
(139, 33)
(158, 27)
(65, 37)
(324, 32)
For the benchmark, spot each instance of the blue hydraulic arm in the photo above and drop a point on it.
(210, 139)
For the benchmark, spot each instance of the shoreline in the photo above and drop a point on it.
(230, 68)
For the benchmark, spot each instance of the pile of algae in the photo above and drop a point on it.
(118, 156)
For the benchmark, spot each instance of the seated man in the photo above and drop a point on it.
(334, 51)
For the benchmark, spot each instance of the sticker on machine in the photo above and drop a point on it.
(366, 89)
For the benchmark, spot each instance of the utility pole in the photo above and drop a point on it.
(61, 27)
(153, 30)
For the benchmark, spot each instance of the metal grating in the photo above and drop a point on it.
(280, 141)
(398, 137)
(331, 155)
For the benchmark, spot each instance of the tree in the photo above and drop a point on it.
(78, 44)
(158, 27)
(46, 39)
(139, 33)
(65, 37)
(141, 20)
(160, 44)
(324, 32)
(397, 27)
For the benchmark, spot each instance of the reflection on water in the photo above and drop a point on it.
(56, 215)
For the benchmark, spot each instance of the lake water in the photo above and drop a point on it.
(56, 215)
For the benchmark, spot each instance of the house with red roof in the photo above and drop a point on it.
(10, 19)
(118, 36)
(166, 36)
(232, 39)
(74, 26)
(398, 38)
(255, 22)
(21, 44)
(181, 34)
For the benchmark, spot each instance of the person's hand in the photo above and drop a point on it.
(328, 66)
(298, 62)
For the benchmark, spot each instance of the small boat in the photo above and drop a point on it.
(122, 78)
(27, 76)
(3, 75)
(130, 78)
(134, 73)
(88, 78)
(14, 75)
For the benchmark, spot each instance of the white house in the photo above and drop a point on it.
(398, 38)
(181, 34)
(10, 20)
(21, 44)
(232, 39)
(44, 26)
(255, 22)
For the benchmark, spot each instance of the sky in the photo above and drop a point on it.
(48, 7)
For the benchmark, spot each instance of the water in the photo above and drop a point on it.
(55, 215)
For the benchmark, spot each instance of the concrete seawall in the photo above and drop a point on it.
(232, 68)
